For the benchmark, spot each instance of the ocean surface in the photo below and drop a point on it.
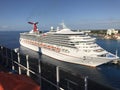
(107, 74)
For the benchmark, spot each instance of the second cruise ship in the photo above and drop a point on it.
(66, 45)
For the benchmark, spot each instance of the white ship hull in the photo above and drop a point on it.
(67, 45)
(62, 57)
(32, 47)
(89, 61)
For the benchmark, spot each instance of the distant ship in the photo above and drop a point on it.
(66, 45)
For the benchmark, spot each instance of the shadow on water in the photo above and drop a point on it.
(101, 74)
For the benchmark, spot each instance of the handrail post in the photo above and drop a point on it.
(6, 55)
(2, 53)
(39, 65)
(57, 77)
(19, 63)
(86, 83)
(28, 73)
(39, 68)
(13, 68)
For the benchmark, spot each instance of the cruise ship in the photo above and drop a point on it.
(66, 45)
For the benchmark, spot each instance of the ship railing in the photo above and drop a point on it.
(17, 63)
(13, 62)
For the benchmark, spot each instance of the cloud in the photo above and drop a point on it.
(4, 27)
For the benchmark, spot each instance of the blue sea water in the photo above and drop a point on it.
(10, 39)
(110, 45)
(107, 74)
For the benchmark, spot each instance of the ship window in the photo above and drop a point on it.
(85, 50)
(89, 50)
(72, 44)
(99, 50)
(103, 55)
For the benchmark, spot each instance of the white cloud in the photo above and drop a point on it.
(4, 27)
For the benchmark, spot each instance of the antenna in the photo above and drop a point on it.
(63, 25)
(116, 53)
(35, 29)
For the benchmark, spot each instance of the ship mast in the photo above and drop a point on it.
(63, 25)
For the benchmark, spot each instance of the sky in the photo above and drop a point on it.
(76, 14)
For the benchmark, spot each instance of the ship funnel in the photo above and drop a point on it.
(35, 29)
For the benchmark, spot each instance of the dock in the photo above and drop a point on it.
(47, 76)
